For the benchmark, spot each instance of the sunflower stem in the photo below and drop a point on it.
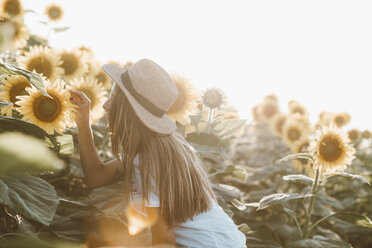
(311, 205)
(209, 120)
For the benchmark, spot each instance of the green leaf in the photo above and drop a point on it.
(29, 196)
(5, 104)
(228, 127)
(78, 205)
(307, 156)
(318, 242)
(21, 154)
(34, 78)
(279, 198)
(299, 178)
(61, 29)
(354, 218)
(204, 139)
(66, 144)
(13, 124)
(29, 11)
(228, 192)
(347, 175)
(210, 149)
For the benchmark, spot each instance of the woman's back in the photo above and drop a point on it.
(212, 228)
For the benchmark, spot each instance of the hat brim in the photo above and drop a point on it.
(163, 125)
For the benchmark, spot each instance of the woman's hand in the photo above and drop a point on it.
(82, 102)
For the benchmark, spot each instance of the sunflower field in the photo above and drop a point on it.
(286, 182)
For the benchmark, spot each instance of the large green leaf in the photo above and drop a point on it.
(22, 154)
(13, 124)
(228, 127)
(299, 178)
(205, 139)
(210, 149)
(347, 175)
(290, 157)
(34, 78)
(29, 196)
(318, 242)
(279, 198)
(228, 192)
(354, 218)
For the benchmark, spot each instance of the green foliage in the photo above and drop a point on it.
(20, 154)
(30, 196)
(34, 78)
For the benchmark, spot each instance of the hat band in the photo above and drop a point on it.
(149, 106)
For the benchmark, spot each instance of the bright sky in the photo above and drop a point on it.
(318, 52)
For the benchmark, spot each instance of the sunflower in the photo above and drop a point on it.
(213, 98)
(325, 119)
(366, 134)
(294, 132)
(16, 31)
(73, 63)
(95, 92)
(255, 115)
(12, 9)
(354, 135)
(43, 60)
(278, 122)
(297, 108)
(54, 12)
(86, 50)
(272, 97)
(13, 86)
(341, 119)
(267, 110)
(93, 66)
(128, 64)
(331, 149)
(48, 113)
(104, 79)
(114, 62)
(185, 103)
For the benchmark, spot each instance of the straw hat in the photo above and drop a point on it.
(150, 90)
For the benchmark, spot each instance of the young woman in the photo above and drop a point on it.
(158, 167)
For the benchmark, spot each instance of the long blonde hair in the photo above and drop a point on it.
(173, 165)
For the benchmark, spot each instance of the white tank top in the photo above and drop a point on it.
(213, 228)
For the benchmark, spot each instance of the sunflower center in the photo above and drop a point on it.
(18, 90)
(179, 104)
(298, 110)
(70, 63)
(12, 7)
(46, 109)
(40, 65)
(269, 110)
(293, 134)
(330, 149)
(353, 135)
(212, 99)
(339, 120)
(55, 12)
(90, 95)
(279, 124)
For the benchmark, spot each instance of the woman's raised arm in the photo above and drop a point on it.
(97, 173)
